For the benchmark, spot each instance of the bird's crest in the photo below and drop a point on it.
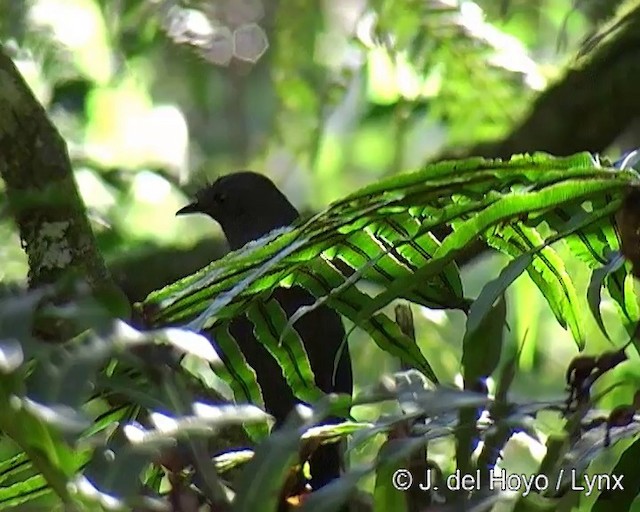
(201, 186)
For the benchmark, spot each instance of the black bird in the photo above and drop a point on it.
(247, 206)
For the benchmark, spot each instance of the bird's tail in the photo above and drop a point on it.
(325, 465)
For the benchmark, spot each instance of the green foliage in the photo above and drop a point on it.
(379, 238)
(478, 198)
(132, 418)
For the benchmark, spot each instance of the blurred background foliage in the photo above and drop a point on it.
(155, 97)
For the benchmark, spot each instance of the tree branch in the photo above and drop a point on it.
(43, 197)
(588, 108)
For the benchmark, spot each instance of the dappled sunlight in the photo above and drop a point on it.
(428, 261)
(80, 27)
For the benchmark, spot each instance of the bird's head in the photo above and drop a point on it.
(247, 205)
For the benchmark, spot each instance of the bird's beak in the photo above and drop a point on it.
(190, 208)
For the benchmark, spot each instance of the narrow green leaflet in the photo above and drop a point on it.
(548, 273)
(595, 246)
(588, 245)
(627, 303)
(204, 319)
(325, 280)
(384, 234)
(507, 207)
(577, 223)
(270, 320)
(399, 239)
(20, 492)
(365, 246)
(482, 346)
(466, 170)
(594, 296)
(495, 288)
(240, 377)
(413, 194)
(44, 446)
(620, 283)
(13, 466)
(251, 270)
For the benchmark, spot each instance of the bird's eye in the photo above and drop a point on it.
(220, 198)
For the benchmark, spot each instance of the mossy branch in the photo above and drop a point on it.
(590, 106)
(43, 197)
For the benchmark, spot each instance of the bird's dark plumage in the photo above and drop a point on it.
(248, 206)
